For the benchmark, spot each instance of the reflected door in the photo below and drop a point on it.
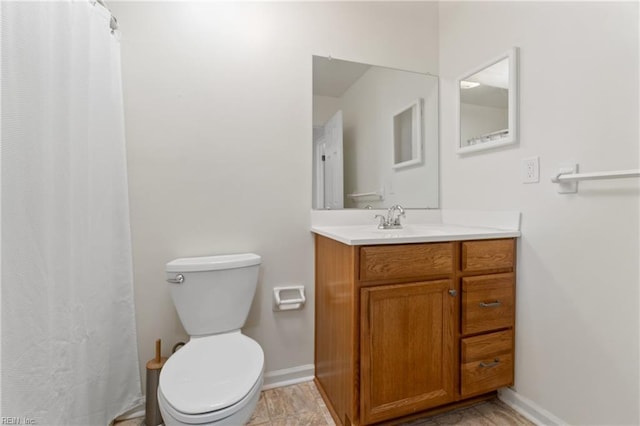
(332, 163)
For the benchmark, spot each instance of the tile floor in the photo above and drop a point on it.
(302, 405)
(294, 405)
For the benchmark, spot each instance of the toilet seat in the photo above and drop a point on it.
(212, 376)
(221, 417)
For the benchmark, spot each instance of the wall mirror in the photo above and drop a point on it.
(375, 136)
(487, 106)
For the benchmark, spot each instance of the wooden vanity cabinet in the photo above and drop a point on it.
(400, 329)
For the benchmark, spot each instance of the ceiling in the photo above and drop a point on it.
(493, 90)
(332, 77)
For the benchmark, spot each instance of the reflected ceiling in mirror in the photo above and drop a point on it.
(355, 136)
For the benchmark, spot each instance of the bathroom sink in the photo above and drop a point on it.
(409, 230)
(409, 233)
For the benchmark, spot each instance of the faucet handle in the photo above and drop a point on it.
(383, 221)
(396, 220)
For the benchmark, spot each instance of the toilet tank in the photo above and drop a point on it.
(215, 293)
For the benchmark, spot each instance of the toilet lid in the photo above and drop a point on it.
(211, 373)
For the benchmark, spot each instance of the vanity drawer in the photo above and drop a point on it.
(487, 255)
(487, 302)
(487, 362)
(405, 261)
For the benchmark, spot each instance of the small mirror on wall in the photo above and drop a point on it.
(407, 136)
(487, 105)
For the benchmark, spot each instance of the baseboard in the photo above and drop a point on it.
(288, 376)
(528, 408)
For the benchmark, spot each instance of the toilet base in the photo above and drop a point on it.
(236, 415)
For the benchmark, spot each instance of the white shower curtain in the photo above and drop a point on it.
(69, 347)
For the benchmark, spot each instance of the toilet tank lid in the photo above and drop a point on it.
(213, 263)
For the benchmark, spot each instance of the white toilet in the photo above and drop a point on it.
(216, 378)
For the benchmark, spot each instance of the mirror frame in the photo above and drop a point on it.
(416, 136)
(512, 135)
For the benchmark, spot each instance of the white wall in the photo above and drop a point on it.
(577, 303)
(218, 124)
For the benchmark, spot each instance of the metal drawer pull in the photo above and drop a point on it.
(179, 279)
(490, 364)
(490, 304)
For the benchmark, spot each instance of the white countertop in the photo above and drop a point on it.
(357, 235)
(420, 227)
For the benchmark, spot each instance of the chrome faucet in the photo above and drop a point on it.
(392, 221)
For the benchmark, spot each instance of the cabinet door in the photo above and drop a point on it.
(407, 349)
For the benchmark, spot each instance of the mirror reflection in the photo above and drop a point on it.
(375, 136)
(487, 106)
(407, 129)
(484, 104)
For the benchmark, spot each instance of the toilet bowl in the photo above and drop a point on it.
(212, 380)
(216, 378)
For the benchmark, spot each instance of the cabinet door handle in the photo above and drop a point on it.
(490, 364)
(452, 292)
(490, 304)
